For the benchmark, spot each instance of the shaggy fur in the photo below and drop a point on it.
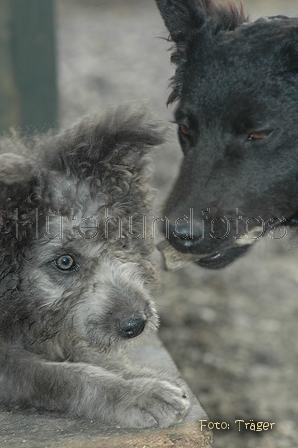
(237, 113)
(73, 281)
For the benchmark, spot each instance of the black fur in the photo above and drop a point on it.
(236, 87)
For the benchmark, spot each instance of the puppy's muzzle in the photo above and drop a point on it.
(130, 327)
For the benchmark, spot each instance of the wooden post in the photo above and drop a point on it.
(9, 105)
(28, 80)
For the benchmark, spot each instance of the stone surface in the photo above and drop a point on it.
(36, 430)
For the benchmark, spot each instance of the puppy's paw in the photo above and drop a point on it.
(150, 402)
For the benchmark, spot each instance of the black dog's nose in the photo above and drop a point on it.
(184, 236)
(131, 327)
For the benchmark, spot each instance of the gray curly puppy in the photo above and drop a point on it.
(74, 267)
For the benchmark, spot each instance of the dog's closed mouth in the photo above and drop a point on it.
(222, 258)
(175, 260)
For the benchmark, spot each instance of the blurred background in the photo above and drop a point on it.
(233, 333)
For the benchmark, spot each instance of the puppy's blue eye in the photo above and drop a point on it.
(65, 263)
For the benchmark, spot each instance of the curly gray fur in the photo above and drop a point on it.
(72, 296)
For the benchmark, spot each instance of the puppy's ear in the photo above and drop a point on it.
(96, 143)
(19, 179)
(184, 17)
(131, 135)
(20, 186)
(15, 169)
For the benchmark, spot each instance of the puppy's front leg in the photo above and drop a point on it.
(80, 389)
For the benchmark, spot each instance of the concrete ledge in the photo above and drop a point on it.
(49, 430)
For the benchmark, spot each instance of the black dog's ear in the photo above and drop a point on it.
(183, 17)
(194, 20)
(289, 54)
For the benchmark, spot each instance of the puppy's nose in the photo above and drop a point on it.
(183, 237)
(131, 327)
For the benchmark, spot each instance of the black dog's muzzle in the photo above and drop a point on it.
(181, 238)
(190, 241)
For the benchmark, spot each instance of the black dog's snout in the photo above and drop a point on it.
(184, 236)
(131, 327)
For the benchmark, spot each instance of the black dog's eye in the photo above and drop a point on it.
(65, 263)
(258, 135)
(184, 130)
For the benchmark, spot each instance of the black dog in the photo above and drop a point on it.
(237, 87)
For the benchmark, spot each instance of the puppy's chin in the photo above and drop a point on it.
(121, 345)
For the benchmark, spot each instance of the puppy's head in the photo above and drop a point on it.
(235, 85)
(73, 208)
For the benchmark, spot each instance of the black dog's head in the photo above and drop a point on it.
(236, 84)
